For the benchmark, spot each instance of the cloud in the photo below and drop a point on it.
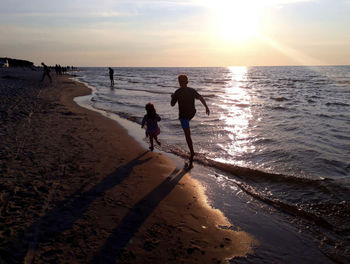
(255, 2)
(101, 14)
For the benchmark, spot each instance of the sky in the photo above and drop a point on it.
(175, 33)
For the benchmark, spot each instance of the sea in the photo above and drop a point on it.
(273, 155)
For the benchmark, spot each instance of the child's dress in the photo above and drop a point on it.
(152, 125)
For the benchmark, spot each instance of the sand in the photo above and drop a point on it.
(76, 188)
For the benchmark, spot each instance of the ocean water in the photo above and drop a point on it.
(281, 134)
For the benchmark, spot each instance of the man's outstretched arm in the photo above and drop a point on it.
(200, 98)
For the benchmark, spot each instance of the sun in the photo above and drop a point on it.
(236, 20)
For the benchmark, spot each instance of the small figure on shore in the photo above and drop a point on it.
(185, 97)
(111, 76)
(151, 120)
(46, 72)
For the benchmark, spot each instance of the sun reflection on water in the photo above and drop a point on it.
(236, 113)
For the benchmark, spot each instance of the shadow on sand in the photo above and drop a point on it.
(130, 224)
(65, 214)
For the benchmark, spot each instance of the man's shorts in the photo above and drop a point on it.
(185, 123)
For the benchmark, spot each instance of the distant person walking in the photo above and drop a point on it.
(46, 72)
(151, 120)
(111, 75)
(185, 97)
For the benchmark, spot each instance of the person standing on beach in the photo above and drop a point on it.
(111, 77)
(185, 97)
(46, 72)
(151, 120)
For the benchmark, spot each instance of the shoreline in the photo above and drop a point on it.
(107, 194)
(195, 190)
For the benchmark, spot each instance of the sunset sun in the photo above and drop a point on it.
(236, 21)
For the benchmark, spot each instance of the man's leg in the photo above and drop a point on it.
(187, 132)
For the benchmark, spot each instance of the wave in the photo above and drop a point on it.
(127, 75)
(167, 86)
(125, 115)
(343, 82)
(151, 77)
(291, 80)
(100, 101)
(223, 81)
(324, 116)
(264, 141)
(160, 92)
(316, 97)
(279, 99)
(342, 137)
(242, 105)
(209, 95)
(248, 178)
(245, 172)
(145, 90)
(131, 81)
(129, 117)
(286, 207)
(337, 164)
(278, 108)
(337, 104)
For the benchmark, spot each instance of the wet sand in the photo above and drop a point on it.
(76, 188)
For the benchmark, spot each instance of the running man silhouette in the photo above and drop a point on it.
(185, 97)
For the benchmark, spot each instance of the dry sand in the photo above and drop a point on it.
(75, 188)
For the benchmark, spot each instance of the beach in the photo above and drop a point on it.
(76, 188)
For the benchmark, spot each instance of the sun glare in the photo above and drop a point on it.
(236, 111)
(236, 20)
